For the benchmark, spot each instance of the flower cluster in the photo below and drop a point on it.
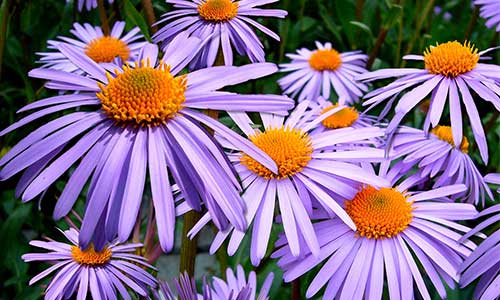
(368, 205)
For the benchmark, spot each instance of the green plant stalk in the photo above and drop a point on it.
(4, 15)
(420, 21)
(102, 15)
(188, 246)
(150, 15)
(378, 44)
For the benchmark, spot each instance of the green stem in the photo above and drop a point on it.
(418, 27)
(102, 15)
(4, 15)
(189, 246)
(150, 15)
(472, 23)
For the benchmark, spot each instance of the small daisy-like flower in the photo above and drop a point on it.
(451, 71)
(87, 4)
(139, 119)
(307, 176)
(314, 73)
(336, 116)
(236, 287)
(223, 24)
(490, 10)
(437, 157)
(484, 262)
(92, 42)
(103, 273)
(400, 235)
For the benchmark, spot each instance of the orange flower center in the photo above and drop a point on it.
(90, 257)
(325, 60)
(290, 148)
(106, 48)
(341, 119)
(379, 213)
(143, 95)
(451, 59)
(444, 133)
(218, 10)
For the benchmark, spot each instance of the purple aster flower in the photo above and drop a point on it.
(437, 157)
(226, 24)
(314, 73)
(451, 71)
(133, 121)
(490, 10)
(342, 117)
(87, 4)
(484, 262)
(236, 287)
(104, 274)
(307, 176)
(92, 42)
(395, 230)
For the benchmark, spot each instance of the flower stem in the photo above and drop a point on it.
(102, 15)
(418, 27)
(472, 23)
(188, 246)
(296, 289)
(4, 14)
(150, 15)
(380, 40)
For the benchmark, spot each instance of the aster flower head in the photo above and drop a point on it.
(484, 262)
(316, 72)
(141, 119)
(436, 156)
(87, 4)
(224, 24)
(91, 41)
(397, 230)
(236, 287)
(104, 274)
(490, 10)
(336, 116)
(452, 72)
(314, 170)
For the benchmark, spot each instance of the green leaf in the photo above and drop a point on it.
(362, 26)
(136, 18)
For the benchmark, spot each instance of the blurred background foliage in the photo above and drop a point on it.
(386, 30)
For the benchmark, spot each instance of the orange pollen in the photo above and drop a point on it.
(379, 213)
(451, 59)
(325, 60)
(106, 48)
(341, 119)
(290, 148)
(143, 95)
(89, 257)
(445, 133)
(218, 10)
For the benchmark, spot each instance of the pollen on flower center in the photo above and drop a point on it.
(379, 213)
(290, 148)
(89, 256)
(445, 133)
(325, 60)
(451, 59)
(106, 48)
(143, 95)
(341, 119)
(218, 10)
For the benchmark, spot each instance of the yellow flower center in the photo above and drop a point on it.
(444, 133)
(143, 95)
(90, 257)
(325, 60)
(451, 59)
(341, 119)
(218, 10)
(106, 48)
(379, 213)
(290, 148)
